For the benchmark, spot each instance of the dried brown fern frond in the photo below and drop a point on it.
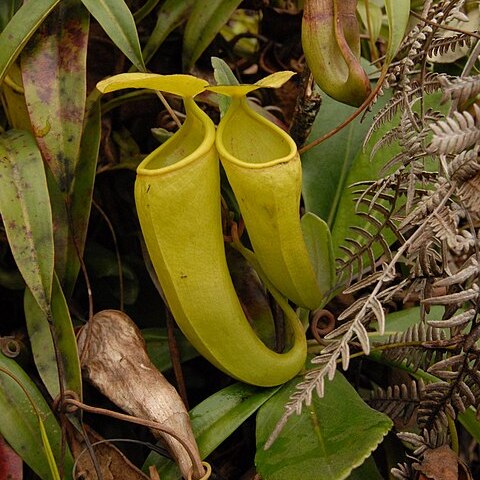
(441, 46)
(440, 234)
(427, 204)
(465, 165)
(417, 44)
(403, 98)
(471, 294)
(427, 440)
(470, 270)
(404, 471)
(419, 347)
(359, 257)
(465, 172)
(457, 389)
(456, 133)
(365, 244)
(460, 89)
(411, 135)
(399, 402)
(459, 320)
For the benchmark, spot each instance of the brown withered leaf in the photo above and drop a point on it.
(114, 359)
(113, 464)
(442, 463)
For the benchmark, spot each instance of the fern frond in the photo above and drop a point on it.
(460, 89)
(457, 389)
(465, 165)
(443, 45)
(404, 471)
(457, 133)
(390, 137)
(470, 269)
(455, 321)
(416, 346)
(426, 206)
(454, 10)
(427, 440)
(401, 99)
(368, 243)
(387, 113)
(399, 402)
(444, 227)
(412, 134)
(472, 294)
(466, 174)
(361, 258)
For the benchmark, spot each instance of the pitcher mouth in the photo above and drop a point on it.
(194, 139)
(247, 139)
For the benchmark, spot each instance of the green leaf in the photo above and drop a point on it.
(26, 214)
(469, 420)
(366, 471)
(19, 30)
(118, 23)
(40, 335)
(327, 166)
(223, 76)
(319, 245)
(7, 10)
(82, 190)
(156, 340)
(171, 14)
(223, 73)
(205, 21)
(221, 414)
(398, 13)
(61, 229)
(326, 441)
(372, 19)
(363, 168)
(145, 10)
(53, 66)
(214, 420)
(57, 55)
(332, 167)
(48, 451)
(20, 421)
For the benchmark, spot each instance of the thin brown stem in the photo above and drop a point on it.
(117, 253)
(168, 108)
(175, 357)
(350, 119)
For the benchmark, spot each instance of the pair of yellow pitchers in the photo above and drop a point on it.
(177, 194)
